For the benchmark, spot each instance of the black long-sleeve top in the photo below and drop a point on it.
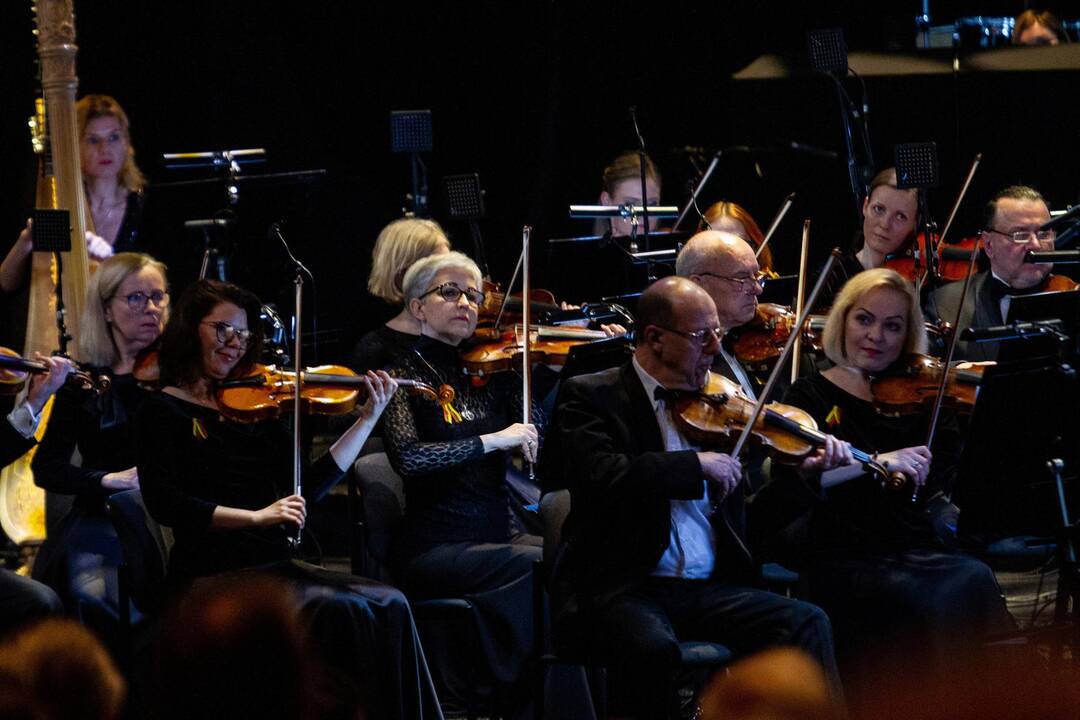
(454, 491)
(859, 514)
(101, 428)
(191, 460)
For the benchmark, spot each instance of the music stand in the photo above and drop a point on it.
(410, 132)
(1064, 306)
(1027, 412)
(52, 233)
(465, 201)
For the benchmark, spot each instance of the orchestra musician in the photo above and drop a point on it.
(457, 536)
(113, 184)
(1011, 223)
(888, 228)
(23, 600)
(399, 245)
(225, 489)
(621, 185)
(881, 565)
(654, 548)
(731, 217)
(126, 309)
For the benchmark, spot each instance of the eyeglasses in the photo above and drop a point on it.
(451, 292)
(226, 332)
(703, 337)
(137, 301)
(1022, 237)
(746, 283)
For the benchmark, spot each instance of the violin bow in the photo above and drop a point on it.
(797, 330)
(932, 426)
(949, 222)
(784, 354)
(526, 369)
(775, 223)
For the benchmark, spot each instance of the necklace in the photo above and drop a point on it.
(445, 394)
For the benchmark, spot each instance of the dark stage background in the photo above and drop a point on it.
(531, 95)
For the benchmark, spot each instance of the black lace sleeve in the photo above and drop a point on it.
(412, 457)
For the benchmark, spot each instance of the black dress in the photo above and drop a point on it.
(191, 460)
(873, 559)
(380, 348)
(846, 267)
(458, 537)
(80, 555)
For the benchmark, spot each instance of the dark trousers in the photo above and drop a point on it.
(638, 633)
(23, 600)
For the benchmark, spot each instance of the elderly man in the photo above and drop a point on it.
(725, 266)
(1010, 229)
(653, 550)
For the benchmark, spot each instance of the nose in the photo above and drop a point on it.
(463, 299)
(875, 332)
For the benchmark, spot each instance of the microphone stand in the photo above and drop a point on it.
(697, 190)
(298, 281)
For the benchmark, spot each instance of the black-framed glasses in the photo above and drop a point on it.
(137, 301)
(747, 283)
(450, 292)
(1022, 237)
(226, 332)
(702, 337)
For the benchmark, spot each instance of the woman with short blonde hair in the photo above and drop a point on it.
(834, 335)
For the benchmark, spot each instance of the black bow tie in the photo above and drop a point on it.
(999, 289)
(662, 393)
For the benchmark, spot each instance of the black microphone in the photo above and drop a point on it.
(208, 223)
(1073, 215)
(1061, 257)
(1018, 330)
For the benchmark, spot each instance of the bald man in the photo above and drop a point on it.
(653, 550)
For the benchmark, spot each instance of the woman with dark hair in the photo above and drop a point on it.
(225, 488)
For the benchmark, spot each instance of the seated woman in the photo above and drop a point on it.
(877, 562)
(225, 488)
(125, 311)
(399, 245)
(888, 228)
(457, 536)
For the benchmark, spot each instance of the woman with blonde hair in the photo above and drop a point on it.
(884, 567)
(125, 312)
(113, 185)
(399, 245)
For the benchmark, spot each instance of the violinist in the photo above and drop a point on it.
(225, 489)
(881, 565)
(124, 313)
(888, 229)
(1011, 223)
(23, 600)
(457, 536)
(723, 264)
(654, 550)
(399, 245)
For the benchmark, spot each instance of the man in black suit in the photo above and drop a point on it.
(653, 549)
(1011, 224)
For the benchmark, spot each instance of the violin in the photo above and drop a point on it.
(713, 417)
(146, 369)
(950, 259)
(549, 345)
(759, 342)
(265, 391)
(914, 387)
(1060, 283)
(14, 369)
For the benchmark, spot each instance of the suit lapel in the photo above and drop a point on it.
(641, 418)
